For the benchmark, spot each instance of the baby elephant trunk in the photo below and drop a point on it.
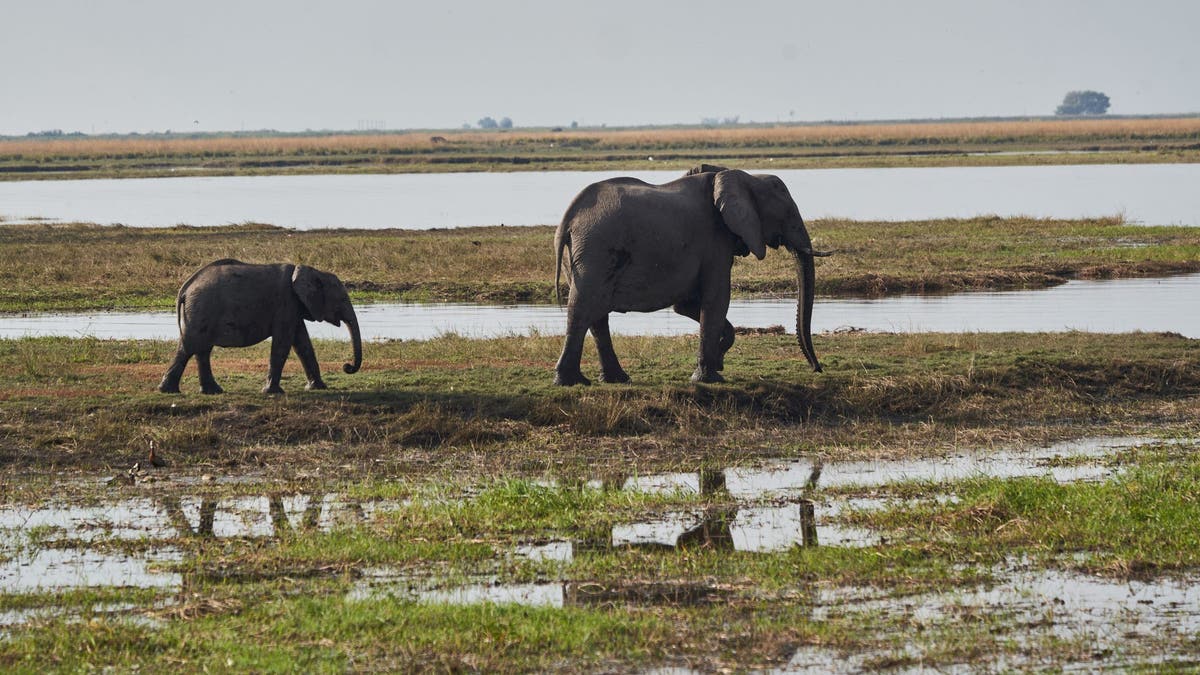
(351, 320)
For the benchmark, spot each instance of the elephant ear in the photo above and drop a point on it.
(310, 288)
(735, 201)
(705, 168)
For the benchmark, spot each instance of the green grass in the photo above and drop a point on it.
(1141, 522)
(77, 267)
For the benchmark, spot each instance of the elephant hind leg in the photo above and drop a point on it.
(208, 384)
(170, 381)
(567, 372)
(610, 368)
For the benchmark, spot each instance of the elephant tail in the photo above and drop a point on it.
(562, 240)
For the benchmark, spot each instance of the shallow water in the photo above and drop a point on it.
(1107, 306)
(1157, 194)
(45, 569)
(776, 509)
(1034, 607)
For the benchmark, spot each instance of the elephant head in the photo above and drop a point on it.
(760, 212)
(325, 299)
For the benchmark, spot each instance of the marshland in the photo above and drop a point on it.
(966, 499)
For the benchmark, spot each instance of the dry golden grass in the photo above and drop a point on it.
(805, 134)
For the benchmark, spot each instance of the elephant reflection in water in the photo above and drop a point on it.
(318, 513)
(715, 528)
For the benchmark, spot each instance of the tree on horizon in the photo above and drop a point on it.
(1085, 102)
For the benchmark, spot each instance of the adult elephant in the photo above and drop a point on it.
(637, 247)
(229, 303)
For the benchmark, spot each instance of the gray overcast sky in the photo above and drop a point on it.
(151, 65)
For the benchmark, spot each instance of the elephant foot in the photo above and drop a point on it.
(316, 384)
(272, 389)
(707, 376)
(213, 388)
(619, 377)
(570, 380)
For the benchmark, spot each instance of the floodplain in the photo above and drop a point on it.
(956, 501)
(1000, 142)
(931, 500)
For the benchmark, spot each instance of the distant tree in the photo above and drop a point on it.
(488, 123)
(719, 121)
(574, 124)
(505, 123)
(1083, 103)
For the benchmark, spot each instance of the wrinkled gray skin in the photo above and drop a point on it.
(636, 247)
(230, 303)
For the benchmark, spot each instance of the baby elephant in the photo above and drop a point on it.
(230, 303)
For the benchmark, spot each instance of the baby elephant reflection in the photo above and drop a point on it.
(229, 303)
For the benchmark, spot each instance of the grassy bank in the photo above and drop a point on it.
(74, 267)
(961, 143)
(487, 407)
(475, 455)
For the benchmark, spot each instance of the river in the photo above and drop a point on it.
(1109, 306)
(1153, 194)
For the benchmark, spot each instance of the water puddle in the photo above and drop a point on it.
(66, 568)
(1115, 620)
(388, 584)
(383, 583)
(1071, 461)
(776, 506)
(166, 518)
(1103, 306)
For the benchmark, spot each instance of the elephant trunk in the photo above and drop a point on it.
(805, 283)
(351, 320)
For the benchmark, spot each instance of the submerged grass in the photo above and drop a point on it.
(77, 266)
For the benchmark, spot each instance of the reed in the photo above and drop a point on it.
(795, 135)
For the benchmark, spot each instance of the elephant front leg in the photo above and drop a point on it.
(691, 310)
(170, 381)
(308, 358)
(610, 367)
(280, 346)
(712, 325)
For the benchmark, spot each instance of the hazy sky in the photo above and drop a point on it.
(151, 65)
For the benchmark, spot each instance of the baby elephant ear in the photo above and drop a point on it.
(310, 288)
(731, 194)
